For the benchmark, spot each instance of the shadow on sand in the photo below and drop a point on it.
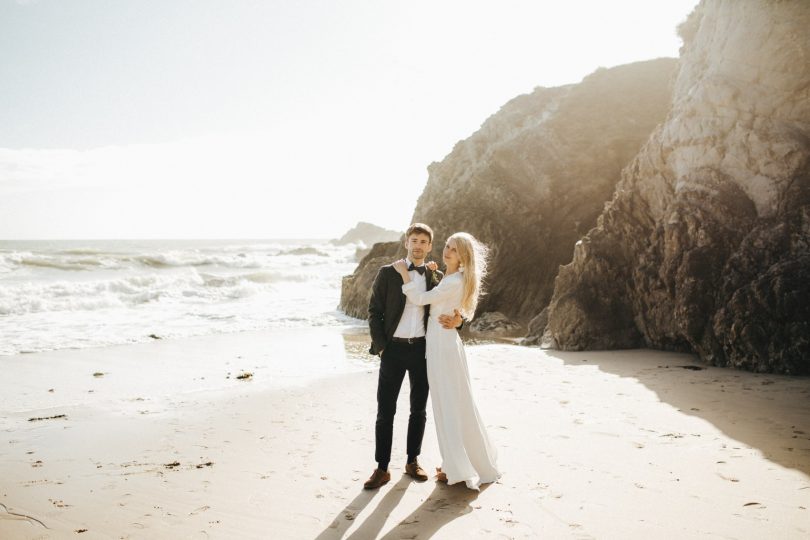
(443, 505)
(768, 412)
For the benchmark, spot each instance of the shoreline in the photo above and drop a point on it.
(165, 368)
(592, 444)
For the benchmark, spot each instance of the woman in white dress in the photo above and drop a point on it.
(467, 453)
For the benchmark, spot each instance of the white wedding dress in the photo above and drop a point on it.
(467, 453)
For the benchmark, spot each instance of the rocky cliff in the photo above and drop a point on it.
(705, 245)
(532, 181)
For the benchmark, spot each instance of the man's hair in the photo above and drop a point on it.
(419, 228)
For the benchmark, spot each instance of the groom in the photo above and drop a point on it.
(398, 335)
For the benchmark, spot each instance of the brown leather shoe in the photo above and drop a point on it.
(415, 471)
(378, 478)
(440, 476)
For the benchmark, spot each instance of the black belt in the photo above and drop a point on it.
(408, 340)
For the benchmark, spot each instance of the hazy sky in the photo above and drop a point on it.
(267, 119)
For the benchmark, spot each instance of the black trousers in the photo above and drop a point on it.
(397, 359)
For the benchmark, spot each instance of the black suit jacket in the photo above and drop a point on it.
(387, 304)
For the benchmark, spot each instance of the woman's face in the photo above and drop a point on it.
(450, 255)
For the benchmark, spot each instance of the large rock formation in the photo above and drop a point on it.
(536, 175)
(355, 290)
(705, 245)
(532, 181)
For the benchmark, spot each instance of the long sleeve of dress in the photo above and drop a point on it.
(442, 291)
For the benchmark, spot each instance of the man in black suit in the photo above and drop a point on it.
(398, 336)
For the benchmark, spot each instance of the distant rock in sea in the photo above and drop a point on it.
(368, 234)
(705, 246)
(533, 179)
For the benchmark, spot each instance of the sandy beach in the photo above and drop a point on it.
(130, 442)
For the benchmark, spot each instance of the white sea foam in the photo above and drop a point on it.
(68, 294)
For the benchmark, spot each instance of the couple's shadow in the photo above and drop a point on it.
(443, 505)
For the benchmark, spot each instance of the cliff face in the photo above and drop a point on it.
(705, 245)
(536, 175)
(533, 179)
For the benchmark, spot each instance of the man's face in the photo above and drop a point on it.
(418, 245)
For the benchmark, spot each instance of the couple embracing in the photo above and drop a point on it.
(414, 314)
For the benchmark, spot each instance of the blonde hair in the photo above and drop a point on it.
(472, 255)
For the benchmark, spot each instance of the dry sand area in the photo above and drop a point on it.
(620, 444)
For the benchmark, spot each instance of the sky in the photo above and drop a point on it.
(271, 119)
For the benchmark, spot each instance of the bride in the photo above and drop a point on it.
(467, 453)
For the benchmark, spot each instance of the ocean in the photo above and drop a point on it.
(70, 294)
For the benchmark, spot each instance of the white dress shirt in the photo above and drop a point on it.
(412, 323)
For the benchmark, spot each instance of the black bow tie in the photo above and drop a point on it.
(420, 269)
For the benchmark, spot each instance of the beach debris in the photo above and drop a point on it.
(751, 504)
(172, 465)
(37, 463)
(206, 464)
(50, 390)
(244, 376)
(155, 336)
(55, 417)
(98, 374)
(80, 531)
(198, 510)
(4, 510)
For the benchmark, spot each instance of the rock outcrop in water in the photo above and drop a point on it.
(369, 234)
(532, 181)
(705, 245)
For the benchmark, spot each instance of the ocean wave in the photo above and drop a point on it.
(28, 298)
(132, 291)
(237, 257)
(59, 295)
(69, 264)
(167, 260)
(13, 260)
(82, 251)
(307, 250)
